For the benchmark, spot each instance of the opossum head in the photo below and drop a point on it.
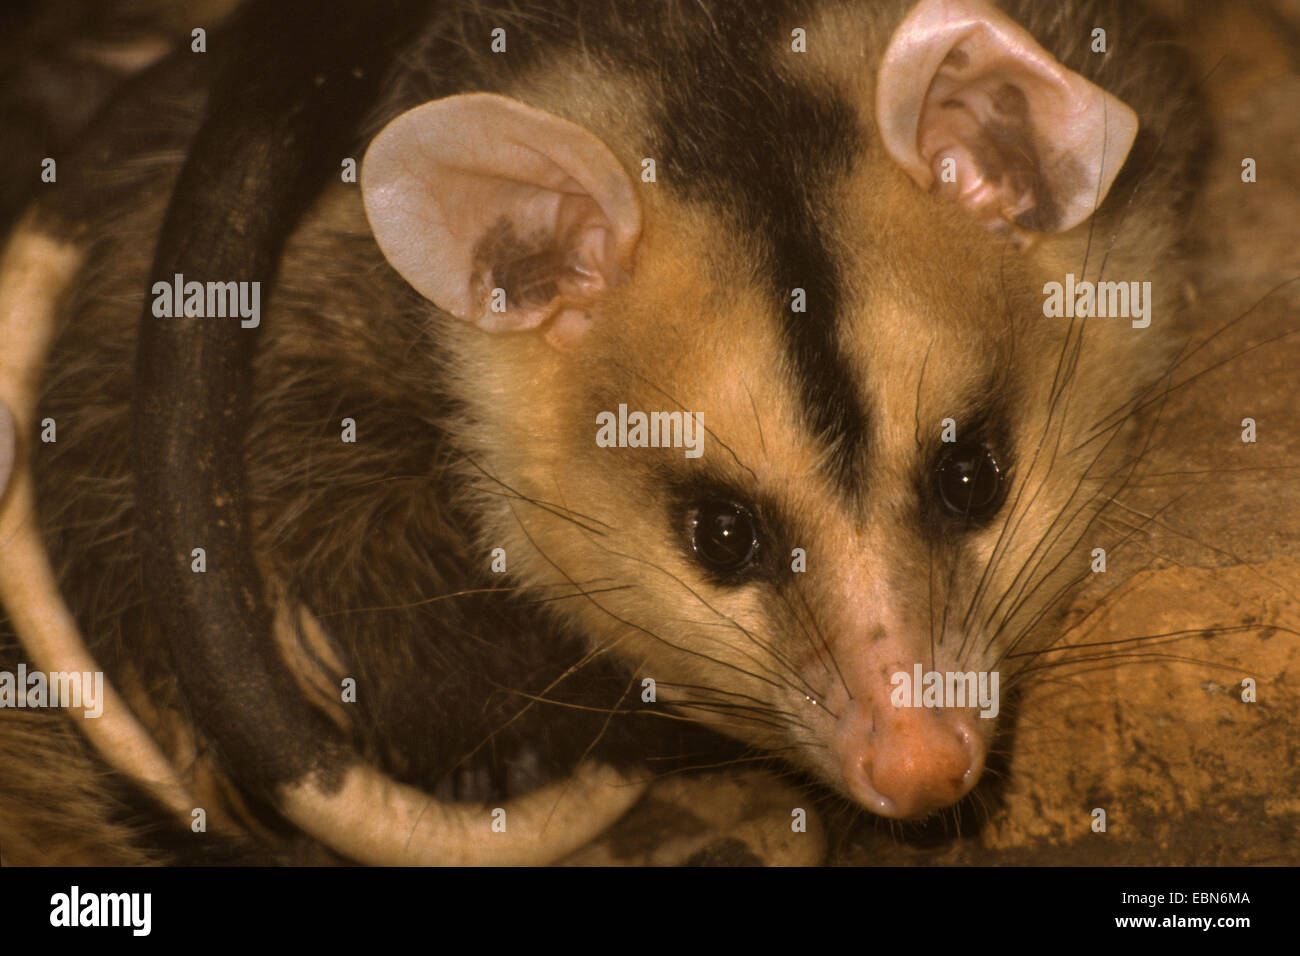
(873, 455)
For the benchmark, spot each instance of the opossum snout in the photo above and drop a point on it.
(911, 717)
(906, 762)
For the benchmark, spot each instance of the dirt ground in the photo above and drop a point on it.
(1156, 735)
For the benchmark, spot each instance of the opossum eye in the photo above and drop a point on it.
(969, 480)
(723, 535)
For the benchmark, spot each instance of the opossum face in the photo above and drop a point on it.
(776, 583)
(789, 432)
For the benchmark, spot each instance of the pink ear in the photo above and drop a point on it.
(1034, 144)
(478, 201)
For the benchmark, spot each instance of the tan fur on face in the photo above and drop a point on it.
(651, 354)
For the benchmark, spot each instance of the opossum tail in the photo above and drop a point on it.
(35, 270)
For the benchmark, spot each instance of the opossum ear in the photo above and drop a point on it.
(973, 108)
(503, 215)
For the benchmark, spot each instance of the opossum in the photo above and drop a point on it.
(676, 384)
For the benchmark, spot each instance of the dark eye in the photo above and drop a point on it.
(969, 481)
(723, 535)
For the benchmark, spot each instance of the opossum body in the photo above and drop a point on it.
(818, 232)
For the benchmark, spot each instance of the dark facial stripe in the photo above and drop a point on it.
(763, 150)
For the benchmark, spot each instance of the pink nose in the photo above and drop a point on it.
(907, 762)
